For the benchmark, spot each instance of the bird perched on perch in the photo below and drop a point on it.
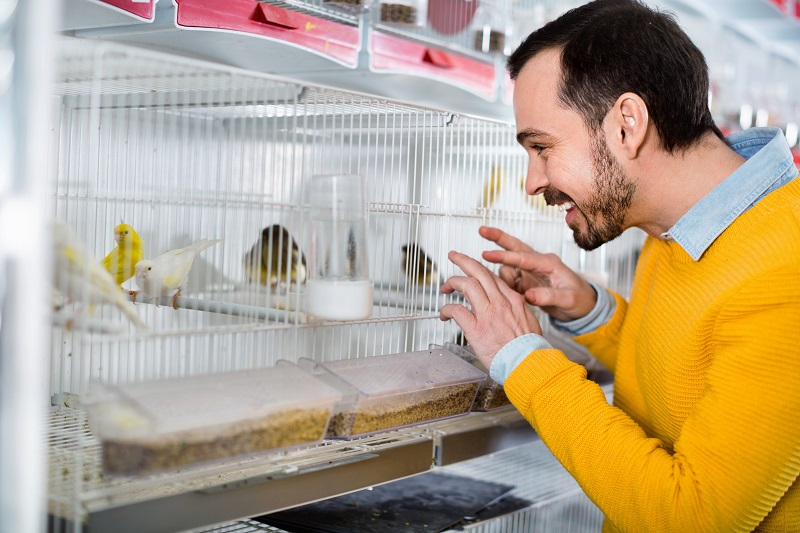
(121, 261)
(275, 259)
(418, 267)
(167, 274)
(78, 277)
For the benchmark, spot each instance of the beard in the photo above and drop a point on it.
(608, 203)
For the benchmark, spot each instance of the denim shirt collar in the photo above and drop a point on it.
(769, 165)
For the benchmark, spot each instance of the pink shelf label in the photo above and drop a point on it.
(394, 54)
(135, 7)
(334, 40)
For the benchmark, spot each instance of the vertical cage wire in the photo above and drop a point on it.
(185, 151)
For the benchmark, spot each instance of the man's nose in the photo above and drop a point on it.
(536, 181)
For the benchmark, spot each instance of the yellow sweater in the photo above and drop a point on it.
(704, 434)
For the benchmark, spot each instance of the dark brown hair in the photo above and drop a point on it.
(610, 47)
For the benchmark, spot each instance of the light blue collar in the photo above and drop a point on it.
(769, 165)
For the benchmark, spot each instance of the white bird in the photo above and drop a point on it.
(166, 274)
(78, 277)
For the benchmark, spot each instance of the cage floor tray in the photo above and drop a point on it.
(427, 503)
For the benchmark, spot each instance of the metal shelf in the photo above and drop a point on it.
(80, 14)
(351, 67)
(231, 490)
(555, 501)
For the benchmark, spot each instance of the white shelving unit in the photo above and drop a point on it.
(213, 131)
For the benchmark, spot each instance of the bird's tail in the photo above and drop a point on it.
(129, 310)
(201, 244)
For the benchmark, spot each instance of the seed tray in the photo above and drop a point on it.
(159, 425)
(491, 394)
(398, 390)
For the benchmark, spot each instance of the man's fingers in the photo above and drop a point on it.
(471, 289)
(515, 299)
(475, 270)
(448, 287)
(463, 317)
(510, 275)
(503, 239)
(525, 260)
(541, 297)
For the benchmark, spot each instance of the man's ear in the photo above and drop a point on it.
(627, 124)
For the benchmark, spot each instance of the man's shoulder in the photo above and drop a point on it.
(772, 226)
(784, 200)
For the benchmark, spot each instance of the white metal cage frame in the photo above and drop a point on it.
(182, 150)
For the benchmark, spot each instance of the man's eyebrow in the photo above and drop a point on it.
(529, 134)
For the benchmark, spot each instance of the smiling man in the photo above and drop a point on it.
(611, 106)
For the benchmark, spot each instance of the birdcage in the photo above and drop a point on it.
(180, 150)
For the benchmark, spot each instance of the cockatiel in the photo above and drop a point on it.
(275, 259)
(121, 261)
(79, 277)
(166, 274)
(418, 267)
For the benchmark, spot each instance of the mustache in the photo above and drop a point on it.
(553, 196)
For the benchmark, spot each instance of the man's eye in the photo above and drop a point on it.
(537, 148)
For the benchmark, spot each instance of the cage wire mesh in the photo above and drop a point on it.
(241, 526)
(181, 150)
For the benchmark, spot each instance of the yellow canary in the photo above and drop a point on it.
(121, 261)
(79, 278)
(275, 259)
(491, 189)
(418, 267)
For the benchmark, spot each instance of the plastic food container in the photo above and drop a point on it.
(492, 25)
(160, 425)
(393, 391)
(403, 13)
(491, 394)
(338, 286)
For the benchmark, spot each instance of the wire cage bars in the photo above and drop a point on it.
(180, 150)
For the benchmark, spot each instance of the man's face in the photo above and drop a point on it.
(572, 167)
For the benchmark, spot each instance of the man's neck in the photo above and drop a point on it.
(669, 185)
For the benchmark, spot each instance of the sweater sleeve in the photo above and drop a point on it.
(737, 453)
(602, 342)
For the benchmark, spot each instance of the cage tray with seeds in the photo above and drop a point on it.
(393, 391)
(491, 394)
(159, 425)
